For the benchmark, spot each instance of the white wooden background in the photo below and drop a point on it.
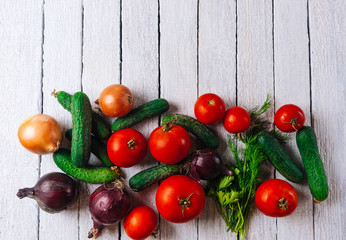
(294, 50)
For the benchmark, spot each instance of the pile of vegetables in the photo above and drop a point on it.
(186, 175)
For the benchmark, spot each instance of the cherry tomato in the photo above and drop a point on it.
(126, 147)
(180, 199)
(276, 198)
(169, 143)
(289, 118)
(140, 223)
(209, 108)
(237, 120)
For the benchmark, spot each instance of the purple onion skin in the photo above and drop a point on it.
(206, 164)
(54, 192)
(107, 206)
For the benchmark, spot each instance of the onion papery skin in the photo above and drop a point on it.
(40, 134)
(116, 100)
(206, 164)
(107, 205)
(54, 192)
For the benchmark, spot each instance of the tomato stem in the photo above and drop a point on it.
(283, 203)
(294, 121)
(166, 127)
(131, 144)
(185, 202)
(240, 136)
(211, 102)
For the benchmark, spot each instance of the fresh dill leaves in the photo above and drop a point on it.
(260, 123)
(283, 138)
(256, 111)
(234, 195)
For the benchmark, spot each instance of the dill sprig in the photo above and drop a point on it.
(259, 123)
(234, 195)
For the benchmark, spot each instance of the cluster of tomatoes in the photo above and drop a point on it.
(170, 143)
(274, 197)
(180, 198)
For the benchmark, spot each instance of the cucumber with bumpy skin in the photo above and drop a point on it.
(62, 159)
(98, 148)
(150, 176)
(279, 157)
(192, 125)
(145, 111)
(308, 149)
(64, 99)
(81, 129)
(100, 128)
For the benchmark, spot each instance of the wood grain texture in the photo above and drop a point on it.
(20, 78)
(101, 68)
(216, 74)
(328, 71)
(61, 71)
(291, 57)
(178, 50)
(140, 74)
(178, 61)
(255, 81)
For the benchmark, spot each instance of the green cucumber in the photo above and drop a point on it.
(315, 173)
(150, 176)
(98, 148)
(64, 99)
(100, 127)
(145, 111)
(62, 159)
(81, 129)
(279, 157)
(192, 125)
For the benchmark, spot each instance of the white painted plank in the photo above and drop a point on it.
(217, 70)
(20, 51)
(101, 68)
(20, 80)
(178, 61)
(255, 80)
(292, 70)
(61, 71)
(140, 73)
(328, 71)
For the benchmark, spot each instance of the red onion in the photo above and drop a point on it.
(206, 164)
(53, 192)
(108, 204)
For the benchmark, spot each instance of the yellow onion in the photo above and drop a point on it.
(116, 100)
(40, 134)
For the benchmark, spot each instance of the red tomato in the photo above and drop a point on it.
(126, 147)
(140, 223)
(289, 118)
(276, 198)
(180, 199)
(169, 144)
(237, 120)
(209, 108)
